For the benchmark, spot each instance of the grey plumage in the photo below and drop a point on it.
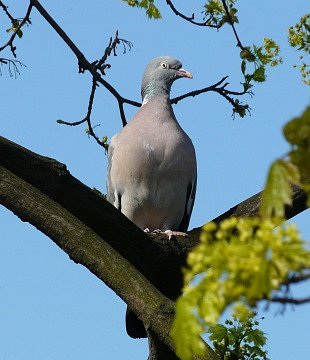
(152, 163)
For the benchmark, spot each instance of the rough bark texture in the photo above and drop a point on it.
(38, 188)
(79, 241)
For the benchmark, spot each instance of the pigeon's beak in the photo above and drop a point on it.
(184, 73)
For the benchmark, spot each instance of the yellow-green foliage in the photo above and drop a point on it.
(238, 262)
(278, 191)
(238, 339)
(215, 12)
(151, 10)
(295, 169)
(297, 133)
(243, 260)
(299, 37)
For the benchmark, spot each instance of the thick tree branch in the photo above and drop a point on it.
(84, 246)
(155, 257)
(158, 259)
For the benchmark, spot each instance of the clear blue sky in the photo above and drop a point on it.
(51, 308)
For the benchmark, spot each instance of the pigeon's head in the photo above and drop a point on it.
(159, 75)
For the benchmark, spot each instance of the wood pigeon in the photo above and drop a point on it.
(152, 170)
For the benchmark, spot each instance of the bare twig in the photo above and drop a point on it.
(5, 9)
(83, 63)
(232, 24)
(88, 116)
(21, 23)
(190, 19)
(101, 65)
(295, 279)
(289, 300)
(12, 65)
(207, 21)
(221, 90)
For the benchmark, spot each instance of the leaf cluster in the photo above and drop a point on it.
(238, 262)
(217, 15)
(299, 37)
(259, 57)
(14, 28)
(295, 169)
(151, 10)
(239, 339)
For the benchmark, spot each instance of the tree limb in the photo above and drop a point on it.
(84, 246)
(157, 258)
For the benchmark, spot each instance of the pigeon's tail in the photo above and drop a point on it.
(134, 326)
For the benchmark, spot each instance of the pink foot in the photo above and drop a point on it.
(171, 233)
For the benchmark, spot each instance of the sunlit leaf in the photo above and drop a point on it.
(278, 189)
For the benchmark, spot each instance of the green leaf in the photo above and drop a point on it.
(259, 74)
(278, 192)
(247, 54)
(297, 131)
(20, 33)
(214, 7)
(152, 11)
(218, 332)
(257, 337)
(243, 66)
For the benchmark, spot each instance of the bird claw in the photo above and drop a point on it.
(171, 233)
(168, 233)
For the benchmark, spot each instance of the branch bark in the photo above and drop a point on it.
(85, 247)
(157, 258)
(37, 188)
(37, 203)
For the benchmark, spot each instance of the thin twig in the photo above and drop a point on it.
(232, 24)
(122, 113)
(288, 300)
(221, 90)
(12, 63)
(83, 63)
(295, 279)
(88, 116)
(198, 92)
(189, 18)
(74, 123)
(5, 9)
(22, 23)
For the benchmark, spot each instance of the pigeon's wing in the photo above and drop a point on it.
(190, 199)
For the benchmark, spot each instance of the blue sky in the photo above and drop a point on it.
(51, 308)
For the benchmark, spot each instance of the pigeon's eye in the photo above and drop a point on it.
(163, 65)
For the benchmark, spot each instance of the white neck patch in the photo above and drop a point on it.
(145, 100)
